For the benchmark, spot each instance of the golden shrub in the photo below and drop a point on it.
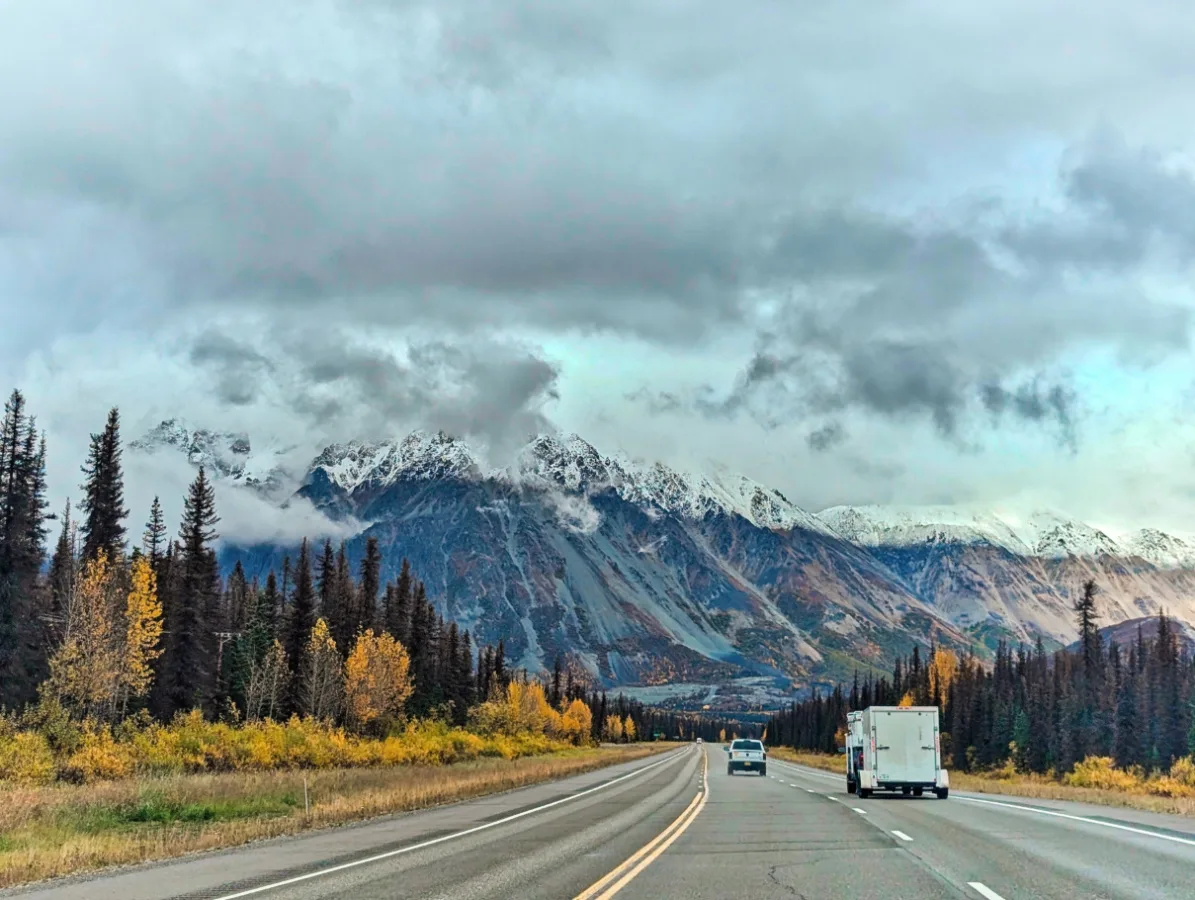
(1100, 772)
(26, 759)
(98, 758)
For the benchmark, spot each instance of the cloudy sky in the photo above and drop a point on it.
(902, 252)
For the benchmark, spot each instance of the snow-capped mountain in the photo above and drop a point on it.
(653, 575)
(1000, 574)
(1042, 533)
(227, 456)
(567, 462)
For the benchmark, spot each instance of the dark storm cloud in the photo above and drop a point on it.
(826, 438)
(339, 385)
(481, 167)
(236, 368)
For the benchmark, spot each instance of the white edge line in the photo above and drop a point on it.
(861, 812)
(984, 890)
(1061, 815)
(902, 835)
(447, 837)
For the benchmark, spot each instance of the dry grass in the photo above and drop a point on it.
(61, 829)
(1015, 784)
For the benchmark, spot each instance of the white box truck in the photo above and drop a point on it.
(902, 751)
(854, 749)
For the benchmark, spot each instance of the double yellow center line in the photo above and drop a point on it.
(615, 881)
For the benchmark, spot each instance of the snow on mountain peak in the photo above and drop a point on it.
(227, 456)
(1043, 533)
(419, 456)
(1161, 549)
(904, 526)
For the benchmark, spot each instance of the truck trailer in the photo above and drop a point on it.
(899, 749)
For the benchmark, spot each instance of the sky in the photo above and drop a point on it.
(911, 252)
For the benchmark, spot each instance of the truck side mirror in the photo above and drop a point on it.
(842, 749)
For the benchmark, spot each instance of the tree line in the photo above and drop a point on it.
(1043, 712)
(108, 629)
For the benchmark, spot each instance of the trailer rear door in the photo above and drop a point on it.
(905, 747)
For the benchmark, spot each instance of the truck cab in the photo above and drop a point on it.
(901, 750)
(854, 750)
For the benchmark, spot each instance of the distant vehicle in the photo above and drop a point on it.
(699, 740)
(748, 756)
(899, 749)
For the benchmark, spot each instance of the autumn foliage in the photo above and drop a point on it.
(377, 679)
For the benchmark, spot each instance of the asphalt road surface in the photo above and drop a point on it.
(671, 827)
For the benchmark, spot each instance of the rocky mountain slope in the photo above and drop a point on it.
(1003, 575)
(655, 577)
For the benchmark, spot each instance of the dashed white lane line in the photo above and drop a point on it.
(810, 790)
(983, 890)
(902, 835)
(861, 812)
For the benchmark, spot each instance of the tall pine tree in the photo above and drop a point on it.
(191, 659)
(103, 493)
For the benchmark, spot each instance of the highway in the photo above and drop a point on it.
(673, 827)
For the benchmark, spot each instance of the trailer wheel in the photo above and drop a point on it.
(942, 793)
(864, 793)
(730, 770)
(906, 791)
(917, 792)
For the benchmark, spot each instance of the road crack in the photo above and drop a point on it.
(792, 891)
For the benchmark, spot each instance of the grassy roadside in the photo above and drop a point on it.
(58, 830)
(1018, 785)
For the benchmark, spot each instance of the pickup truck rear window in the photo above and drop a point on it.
(747, 745)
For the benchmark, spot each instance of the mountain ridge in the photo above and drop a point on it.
(650, 575)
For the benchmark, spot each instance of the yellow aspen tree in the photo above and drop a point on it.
(377, 679)
(323, 678)
(85, 670)
(906, 700)
(143, 630)
(578, 721)
(613, 729)
(628, 730)
(942, 671)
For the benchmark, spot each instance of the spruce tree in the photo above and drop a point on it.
(103, 493)
(153, 541)
(398, 607)
(192, 663)
(370, 582)
(24, 610)
(300, 620)
(237, 599)
(346, 596)
(62, 572)
(329, 608)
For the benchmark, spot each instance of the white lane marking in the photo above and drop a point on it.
(902, 835)
(1061, 815)
(672, 757)
(861, 812)
(810, 790)
(801, 770)
(984, 891)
